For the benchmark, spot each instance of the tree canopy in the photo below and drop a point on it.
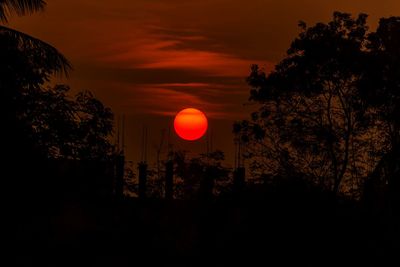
(319, 106)
(40, 118)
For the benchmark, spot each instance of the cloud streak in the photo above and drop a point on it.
(176, 52)
(168, 99)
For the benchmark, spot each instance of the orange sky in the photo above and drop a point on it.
(150, 58)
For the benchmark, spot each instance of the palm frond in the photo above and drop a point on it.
(53, 59)
(19, 7)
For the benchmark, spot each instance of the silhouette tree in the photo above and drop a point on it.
(313, 119)
(51, 58)
(26, 63)
(69, 128)
(42, 123)
(19, 7)
(381, 92)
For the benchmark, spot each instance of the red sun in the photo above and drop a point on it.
(190, 124)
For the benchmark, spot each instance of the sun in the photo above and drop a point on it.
(190, 124)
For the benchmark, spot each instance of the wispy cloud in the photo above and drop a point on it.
(154, 51)
(162, 99)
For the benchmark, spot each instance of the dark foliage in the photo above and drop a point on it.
(328, 110)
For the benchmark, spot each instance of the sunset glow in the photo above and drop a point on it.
(190, 124)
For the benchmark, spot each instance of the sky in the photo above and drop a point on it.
(148, 59)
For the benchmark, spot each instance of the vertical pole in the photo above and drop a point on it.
(142, 179)
(169, 180)
(119, 181)
(207, 184)
(238, 180)
(123, 133)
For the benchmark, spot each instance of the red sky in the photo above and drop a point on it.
(150, 58)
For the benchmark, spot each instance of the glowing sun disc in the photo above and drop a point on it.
(190, 124)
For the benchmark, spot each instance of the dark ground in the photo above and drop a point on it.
(262, 227)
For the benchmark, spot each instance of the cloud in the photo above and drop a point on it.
(162, 51)
(163, 99)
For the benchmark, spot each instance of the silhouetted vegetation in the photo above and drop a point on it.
(328, 110)
(45, 132)
(68, 128)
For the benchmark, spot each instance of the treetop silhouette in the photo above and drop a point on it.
(323, 106)
(52, 60)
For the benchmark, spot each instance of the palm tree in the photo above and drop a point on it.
(54, 60)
